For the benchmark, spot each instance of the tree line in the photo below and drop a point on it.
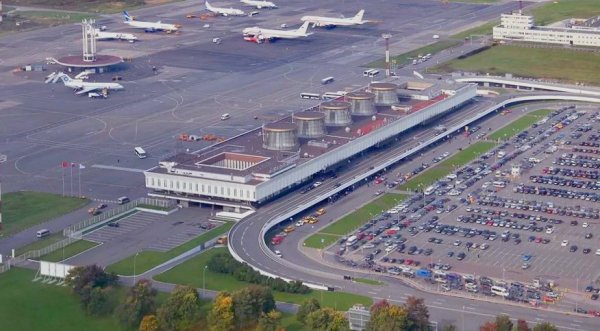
(249, 309)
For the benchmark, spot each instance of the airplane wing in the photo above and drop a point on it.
(86, 90)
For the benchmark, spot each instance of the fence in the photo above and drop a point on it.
(41, 252)
(75, 228)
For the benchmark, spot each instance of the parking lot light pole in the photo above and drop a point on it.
(204, 282)
(3, 159)
(134, 258)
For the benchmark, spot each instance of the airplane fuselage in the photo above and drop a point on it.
(152, 26)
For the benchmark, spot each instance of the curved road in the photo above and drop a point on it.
(247, 242)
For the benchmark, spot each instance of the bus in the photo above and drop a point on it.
(331, 96)
(310, 96)
(327, 80)
(499, 184)
(370, 72)
(140, 152)
(351, 241)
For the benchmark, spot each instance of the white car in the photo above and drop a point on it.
(598, 251)
(484, 246)
(564, 243)
(391, 248)
(457, 243)
(278, 253)
(317, 184)
(549, 230)
(300, 223)
(585, 224)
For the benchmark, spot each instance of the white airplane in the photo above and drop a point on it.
(259, 4)
(149, 26)
(224, 11)
(103, 35)
(258, 35)
(80, 86)
(332, 21)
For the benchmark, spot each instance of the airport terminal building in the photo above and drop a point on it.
(519, 27)
(256, 166)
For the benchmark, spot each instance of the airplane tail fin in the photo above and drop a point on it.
(64, 77)
(126, 16)
(208, 6)
(303, 28)
(359, 16)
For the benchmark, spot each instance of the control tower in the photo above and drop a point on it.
(90, 59)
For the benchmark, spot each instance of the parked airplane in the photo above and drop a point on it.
(149, 26)
(332, 21)
(79, 85)
(259, 3)
(224, 11)
(103, 35)
(258, 35)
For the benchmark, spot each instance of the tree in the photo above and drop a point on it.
(250, 302)
(139, 302)
(522, 325)
(327, 319)
(149, 323)
(449, 327)
(98, 302)
(545, 326)
(270, 321)
(418, 314)
(307, 307)
(379, 305)
(488, 326)
(89, 276)
(221, 317)
(390, 317)
(503, 323)
(181, 310)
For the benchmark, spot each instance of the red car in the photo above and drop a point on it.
(408, 262)
(538, 240)
(378, 180)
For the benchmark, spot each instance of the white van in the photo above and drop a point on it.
(140, 152)
(327, 80)
(351, 241)
(123, 200)
(500, 291)
(42, 233)
(225, 116)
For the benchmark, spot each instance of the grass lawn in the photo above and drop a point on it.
(33, 306)
(368, 281)
(190, 273)
(69, 251)
(444, 168)
(290, 323)
(406, 58)
(562, 64)
(484, 29)
(519, 125)
(22, 210)
(352, 221)
(147, 260)
(40, 243)
(53, 18)
(555, 11)
(321, 240)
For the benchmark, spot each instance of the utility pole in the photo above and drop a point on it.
(386, 37)
(3, 159)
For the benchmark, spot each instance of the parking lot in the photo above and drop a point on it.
(526, 211)
(143, 231)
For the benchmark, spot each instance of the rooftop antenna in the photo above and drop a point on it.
(520, 6)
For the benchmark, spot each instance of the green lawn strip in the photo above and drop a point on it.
(550, 63)
(368, 281)
(53, 18)
(147, 260)
(321, 240)
(34, 306)
(555, 11)
(406, 58)
(518, 125)
(482, 30)
(191, 272)
(444, 168)
(22, 210)
(40, 243)
(69, 251)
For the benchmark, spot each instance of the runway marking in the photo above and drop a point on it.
(100, 166)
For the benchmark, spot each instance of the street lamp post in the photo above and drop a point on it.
(134, 258)
(204, 282)
(3, 159)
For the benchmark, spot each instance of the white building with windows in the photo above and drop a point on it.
(519, 27)
(258, 165)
